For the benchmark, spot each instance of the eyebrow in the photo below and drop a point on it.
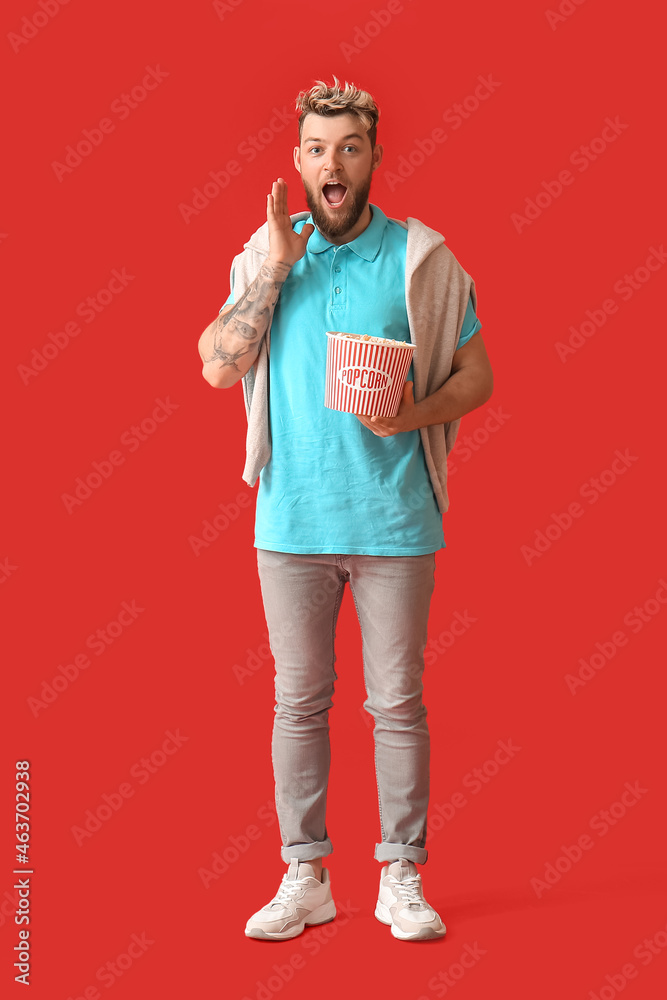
(353, 135)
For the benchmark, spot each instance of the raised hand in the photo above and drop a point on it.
(285, 246)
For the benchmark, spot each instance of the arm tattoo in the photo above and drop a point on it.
(249, 318)
(228, 360)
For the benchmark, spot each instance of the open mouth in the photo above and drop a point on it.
(334, 193)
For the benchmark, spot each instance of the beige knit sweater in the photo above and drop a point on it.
(437, 290)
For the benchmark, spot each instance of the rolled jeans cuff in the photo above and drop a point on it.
(391, 852)
(306, 852)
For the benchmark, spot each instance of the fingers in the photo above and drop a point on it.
(282, 195)
(380, 426)
(277, 200)
(367, 421)
(273, 203)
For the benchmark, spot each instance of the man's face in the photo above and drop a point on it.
(336, 149)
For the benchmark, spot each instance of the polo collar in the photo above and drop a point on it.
(366, 245)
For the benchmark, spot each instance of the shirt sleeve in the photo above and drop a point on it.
(230, 298)
(471, 325)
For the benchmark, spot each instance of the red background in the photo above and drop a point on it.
(66, 574)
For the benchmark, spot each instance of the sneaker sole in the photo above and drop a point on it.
(322, 915)
(383, 914)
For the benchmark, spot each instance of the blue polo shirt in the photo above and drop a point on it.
(331, 485)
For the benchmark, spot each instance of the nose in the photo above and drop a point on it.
(332, 162)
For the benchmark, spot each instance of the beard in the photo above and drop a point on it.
(344, 220)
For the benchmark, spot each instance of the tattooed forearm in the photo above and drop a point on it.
(240, 331)
(228, 360)
(240, 327)
(251, 315)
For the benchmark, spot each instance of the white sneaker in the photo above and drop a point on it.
(301, 899)
(401, 904)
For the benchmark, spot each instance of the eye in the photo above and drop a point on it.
(314, 149)
(353, 148)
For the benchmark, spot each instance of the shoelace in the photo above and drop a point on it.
(287, 891)
(411, 891)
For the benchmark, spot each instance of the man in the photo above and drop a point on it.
(346, 498)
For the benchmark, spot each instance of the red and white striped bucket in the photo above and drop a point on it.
(365, 377)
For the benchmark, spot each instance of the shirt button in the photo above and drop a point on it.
(336, 269)
(337, 291)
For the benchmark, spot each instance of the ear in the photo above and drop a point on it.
(297, 158)
(377, 157)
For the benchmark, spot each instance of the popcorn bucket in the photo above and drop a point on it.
(365, 375)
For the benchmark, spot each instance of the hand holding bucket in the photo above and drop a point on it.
(365, 375)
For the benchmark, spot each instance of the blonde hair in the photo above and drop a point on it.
(326, 100)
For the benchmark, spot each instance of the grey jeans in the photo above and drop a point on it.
(302, 596)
